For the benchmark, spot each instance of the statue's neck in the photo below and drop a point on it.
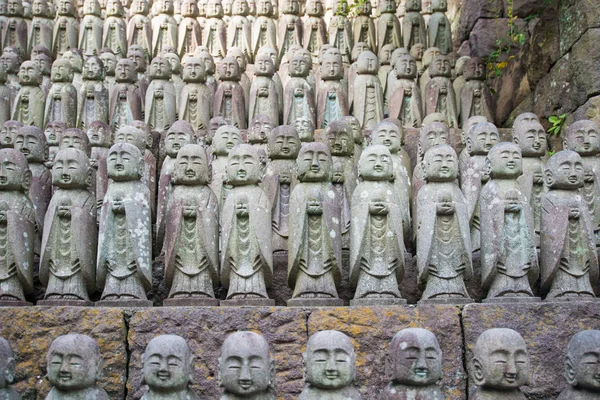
(180, 395)
(483, 393)
(259, 396)
(87, 393)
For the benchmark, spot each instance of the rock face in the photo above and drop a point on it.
(30, 331)
(371, 329)
(546, 328)
(205, 330)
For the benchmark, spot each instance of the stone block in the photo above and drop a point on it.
(486, 32)
(31, 330)
(205, 329)
(544, 46)
(372, 328)
(546, 328)
(575, 17)
(473, 10)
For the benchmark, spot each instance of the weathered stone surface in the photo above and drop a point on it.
(575, 17)
(524, 8)
(486, 32)
(473, 10)
(512, 87)
(30, 331)
(590, 110)
(371, 330)
(544, 46)
(546, 328)
(205, 329)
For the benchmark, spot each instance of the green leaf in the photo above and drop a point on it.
(554, 119)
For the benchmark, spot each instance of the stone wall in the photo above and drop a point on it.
(122, 335)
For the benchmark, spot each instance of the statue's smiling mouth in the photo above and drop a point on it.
(422, 372)
(119, 167)
(241, 174)
(573, 179)
(3, 180)
(332, 375)
(190, 173)
(65, 178)
(245, 383)
(163, 376)
(378, 168)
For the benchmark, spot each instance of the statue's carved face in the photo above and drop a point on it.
(99, 135)
(75, 59)
(330, 361)
(365, 8)
(406, 67)
(8, 132)
(243, 165)
(432, 135)
(265, 7)
(93, 69)
(305, 129)
(440, 164)
(173, 60)
(226, 138)
(340, 141)
(110, 63)
(440, 66)
(245, 369)
(564, 170)
(160, 69)
(299, 67)
(125, 71)
(314, 164)
(194, 70)
(114, 8)
(31, 143)
(388, 6)
(413, 5)
(44, 62)
(331, 67)
(39, 8)
(582, 363)
(30, 74)
(175, 140)
(505, 161)
(66, 7)
(240, 7)
(260, 130)
(376, 164)
(70, 366)
(12, 170)
(138, 59)
(123, 162)
(214, 9)
(290, 7)
(189, 9)
(15, 8)
(358, 49)
(264, 66)
(165, 6)
(140, 7)
(385, 54)
(166, 365)
(74, 138)
(417, 51)
(229, 69)
(474, 69)
(387, 135)
(70, 169)
(583, 138)
(415, 358)
(315, 8)
(209, 63)
(192, 166)
(131, 135)
(531, 138)
(430, 54)
(62, 71)
(10, 61)
(285, 144)
(481, 138)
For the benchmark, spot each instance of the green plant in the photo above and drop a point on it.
(557, 122)
(349, 10)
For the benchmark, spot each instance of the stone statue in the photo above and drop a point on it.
(12, 63)
(508, 258)
(405, 96)
(66, 28)
(475, 96)
(239, 29)
(246, 235)
(357, 135)
(367, 103)
(264, 99)
(438, 27)
(226, 138)
(568, 260)
(377, 240)
(214, 36)
(110, 68)
(340, 30)
(443, 240)
(53, 132)
(74, 366)
(439, 92)
(195, 101)
(246, 369)
(61, 105)
(329, 367)
(259, 132)
(229, 100)
(99, 137)
(168, 369)
(15, 32)
(124, 268)
(414, 366)
(458, 82)
(44, 61)
(209, 69)
(42, 25)
(289, 26)
(413, 25)
(7, 372)
(473, 172)
(69, 241)
(305, 129)
(299, 97)
(388, 25)
(388, 134)
(75, 57)
(115, 28)
(332, 95)
(192, 233)
(164, 28)
(500, 365)
(385, 67)
(17, 229)
(424, 77)
(583, 138)
(315, 239)
(31, 141)
(92, 100)
(180, 134)
(264, 28)
(242, 61)
(581, 363)
(91, 29)
(280, 180)
(315, 29)
(125, 97)
(160, 103)
(139, 27)
(29, 105)
(7, 135)
(363, 26)
(5, 97)
(190, 32)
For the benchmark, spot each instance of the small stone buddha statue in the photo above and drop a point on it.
(110, 68)
(439, 92)
(92, 100)
(475, 96)
(214, 36)
(500, 365)
(74, 368)
(458, 80)
(100, 139)
(225, 139)
(17, 229)
(443, 236)
(329, 367)
(376, 235)
(69, 241)
(413, 25)
(508, 258)
(190, 31)
(16, 29)
(8, 132)
(139, 27)
(315, 28)
(61, 104)
(332, 95)
(414, 366)
(340, 30)
(7, 372)
(42, 24)
(305, 128)
(246, 234)
(115, 28)
(173, 354)
(195, 101)
(289, 31)
(367, 103)
(246, 369)
(229, 100)
(239, 29)
(363, 26)
(438, 27)
(75, 57)
(160, 103)
(264, 99)
(405, 97)
(424, 75)
(125, 97)
(264, 27)
(124, 269)
(30, 103)
(66, 28)
(388, 25)
(164, 27)
(192, 234)
(568, 259)
(299, 96)
(581, 366)
(91, 28)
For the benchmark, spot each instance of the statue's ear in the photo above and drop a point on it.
(9, 371)
(209, 173)
(271, 373)
(570, 371)
(141, 165)
(26, 180)
(219, 379)
(478, 375)
(424, 169)
(516, 139)
(548, 178)
(565, 144)
(469, 144)
(488, 167)
(88, 178)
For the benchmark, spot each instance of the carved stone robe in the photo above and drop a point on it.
(239, 35)
(286, 36)
(471, 105)
(190, 36)
(532, 183)
(368, 100)
(439, 31)
(366, 34)
(68, 258)
(161, 112)
(591, 191)
(231, 107)
(40, 193)
(278, 183)
(332, 103)
(214, 37)
(165, 187)
(437, 101)
(472, 172)
(163, 37)
(268, 105)
(90, 35)
(15, 33)
(315, 35)
(98, 160)
(40, 33)
(195, 105)
(64, 38)
(115, 35)
(92, 104)
(29, 106)
(340, 36)
(388, 34)
(139, 32)
(415, 29)
(405, 103)
(5, 103)
(125, 105)
(64, 108)
(299, 101)
(264, 33)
